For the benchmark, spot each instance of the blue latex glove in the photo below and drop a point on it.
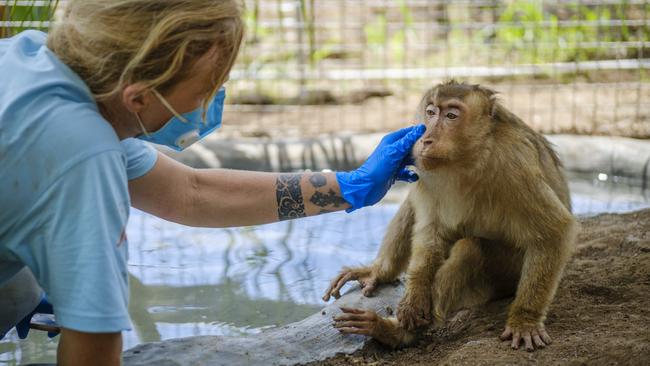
(44, 307)
(368, 184)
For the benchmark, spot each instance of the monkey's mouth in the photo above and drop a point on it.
(432, 159)
(430, 162)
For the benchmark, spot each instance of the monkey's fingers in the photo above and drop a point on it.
(407, 322)
(369, 287)
(516, 338)
(330, 288)
(342, 281)
(352, 324)
(350, 314)
(532, 339)
(507, 334)
(352, 310)
(542, 333)
(528, 341)
(337, 283)
(539, 343)
(351, 330)
(411, 318)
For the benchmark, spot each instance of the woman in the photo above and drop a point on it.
(75, 107)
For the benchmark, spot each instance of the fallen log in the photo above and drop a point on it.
(311, 339)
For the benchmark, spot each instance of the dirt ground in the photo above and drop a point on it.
(599, 316)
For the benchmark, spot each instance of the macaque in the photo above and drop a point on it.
(489, 217)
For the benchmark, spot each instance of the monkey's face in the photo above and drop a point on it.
(457, 120)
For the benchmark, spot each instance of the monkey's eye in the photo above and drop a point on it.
(431, 110)
(452, 115)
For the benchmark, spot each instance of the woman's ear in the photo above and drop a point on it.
(136, 97)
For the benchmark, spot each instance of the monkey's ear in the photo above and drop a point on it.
(492, 97)
(493, 106)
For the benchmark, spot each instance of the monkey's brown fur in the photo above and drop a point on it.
(489, 217)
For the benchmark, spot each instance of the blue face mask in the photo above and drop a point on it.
(183, 130)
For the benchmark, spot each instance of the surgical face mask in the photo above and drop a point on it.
(183, 130)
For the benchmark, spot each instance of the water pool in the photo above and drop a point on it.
(194, 281)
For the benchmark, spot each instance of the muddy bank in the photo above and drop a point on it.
(599, 317)
(610, 109)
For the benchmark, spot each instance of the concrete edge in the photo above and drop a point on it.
(617, 156)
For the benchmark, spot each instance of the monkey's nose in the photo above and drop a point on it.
(427, 142)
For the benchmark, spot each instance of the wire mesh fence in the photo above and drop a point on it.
(311, 67)
(322, 66)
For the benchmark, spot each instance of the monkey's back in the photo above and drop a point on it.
(547, 158)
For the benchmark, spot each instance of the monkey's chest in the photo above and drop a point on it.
(454, 219)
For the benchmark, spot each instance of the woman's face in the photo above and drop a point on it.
(185, 96)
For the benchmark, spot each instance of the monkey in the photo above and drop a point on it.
(490, 217)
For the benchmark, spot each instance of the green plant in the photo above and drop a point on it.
(538, 35)
(307, 14)
(380, 41)
(21, 16)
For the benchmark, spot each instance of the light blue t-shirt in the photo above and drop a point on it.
(64, 200)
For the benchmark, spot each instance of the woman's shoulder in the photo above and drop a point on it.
(42, 101)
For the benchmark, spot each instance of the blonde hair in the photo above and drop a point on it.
(113, 43)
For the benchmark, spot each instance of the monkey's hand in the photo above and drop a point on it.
(534, 336)
(415, 309)
(357, 321)
(367, 322)
(367, 277)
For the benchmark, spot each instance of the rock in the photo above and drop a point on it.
(311, 339)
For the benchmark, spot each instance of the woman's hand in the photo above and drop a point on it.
(368, 184)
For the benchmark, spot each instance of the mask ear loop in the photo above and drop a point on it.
(169, 107)
(144, 130)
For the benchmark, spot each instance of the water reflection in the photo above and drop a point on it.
(196, 281)
(592, 194)
(189, 281)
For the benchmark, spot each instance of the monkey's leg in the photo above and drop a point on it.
(461, 281)
(416, 307)
(476, 272)
(366, 322)
(542, 267)
(390, 262)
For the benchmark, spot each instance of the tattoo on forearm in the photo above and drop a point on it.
(289, 196)
(324, 200)
(318, 180)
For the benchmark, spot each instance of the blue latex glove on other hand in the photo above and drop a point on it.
(368, 184)
(44, 307)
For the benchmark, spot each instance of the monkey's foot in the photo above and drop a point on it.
(415, 310)
(366, 322)
(459, 321)
(365, 275)
(534, 336)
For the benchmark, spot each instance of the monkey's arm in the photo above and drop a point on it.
(390, 262)
(545, 255)
(429, 250)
